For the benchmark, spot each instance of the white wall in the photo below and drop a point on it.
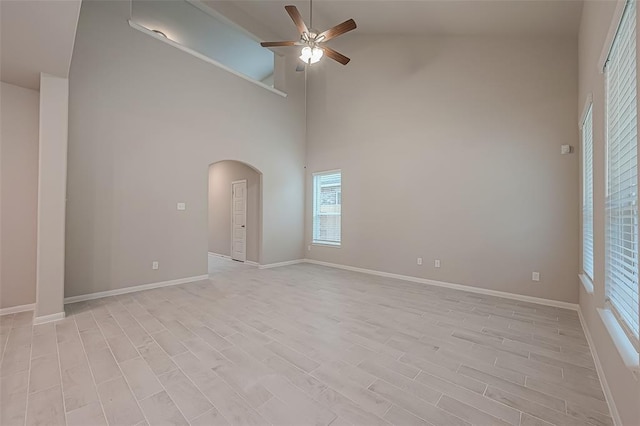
(52, 190)
(205, 33)
(450, 150)
(597, 18)
(19, 194)
(145, 122)
(221, 175)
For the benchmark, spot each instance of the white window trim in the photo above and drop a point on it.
(586, 283)
(585, 109)
(611, 34)
(584, 276)
(326, 244)
(319, 243)
(623, 344)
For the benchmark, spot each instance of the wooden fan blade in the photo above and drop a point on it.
(339, 29)
(277, 43)
(336, 56)
(297, 18)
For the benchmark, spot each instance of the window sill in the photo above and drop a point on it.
(586, 283)
(326, 244)
(628, 353)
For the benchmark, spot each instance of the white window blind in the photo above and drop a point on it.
(327, 207)
(622, 177)
(587, 193)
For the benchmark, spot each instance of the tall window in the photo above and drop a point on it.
(587, 194)
(622, 176)
(327, 207)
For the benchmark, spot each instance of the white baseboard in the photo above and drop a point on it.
(48, 318)
(506, 295)
(224, 256)
(278, 264)
(16, 309)
(615, 416)
(133, 289)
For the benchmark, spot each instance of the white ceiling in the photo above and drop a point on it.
(36, 36)
(422, 17)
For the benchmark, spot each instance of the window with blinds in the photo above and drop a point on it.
(327, 207)
(587, 194)
(622, 177)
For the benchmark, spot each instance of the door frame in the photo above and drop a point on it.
(246, 199)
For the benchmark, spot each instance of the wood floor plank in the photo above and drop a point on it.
(516, 389)
(567, 394)
(364, 397)
(418, 407)
(185, 394)
(303, 408)
(299, 378)
(400, 416)
(349, 410)
(469, 413)
(530, 407)
(301, 344)
(472, 399)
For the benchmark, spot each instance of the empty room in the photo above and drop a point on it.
(326, 212)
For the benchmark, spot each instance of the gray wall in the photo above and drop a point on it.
(19, 192)
(52, 191)
(450, 150)
(220, 177)
(597, 18)
(145, 122)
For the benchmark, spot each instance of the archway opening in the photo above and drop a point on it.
(234, 216)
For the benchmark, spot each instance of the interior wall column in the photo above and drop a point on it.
(52, 189)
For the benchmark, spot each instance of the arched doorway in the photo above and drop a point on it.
(234, 216)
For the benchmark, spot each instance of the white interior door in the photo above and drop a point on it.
(239, 220)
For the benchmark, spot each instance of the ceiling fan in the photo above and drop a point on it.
(312, 40)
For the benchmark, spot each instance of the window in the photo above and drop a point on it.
(327, 207)
(587, 193)
(622, 177)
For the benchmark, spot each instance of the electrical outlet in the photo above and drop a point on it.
(436, 263)
(182, 206)
(535, 276)
(155, 265)
(419, 261)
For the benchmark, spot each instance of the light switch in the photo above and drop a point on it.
(565, 149)
(182, 206)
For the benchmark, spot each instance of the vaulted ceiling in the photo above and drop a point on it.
(421, 17)
(36, 36)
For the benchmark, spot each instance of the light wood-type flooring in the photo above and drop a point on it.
(300, 345)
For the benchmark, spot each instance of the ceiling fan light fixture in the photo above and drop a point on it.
(310, 39)
(311, 55)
